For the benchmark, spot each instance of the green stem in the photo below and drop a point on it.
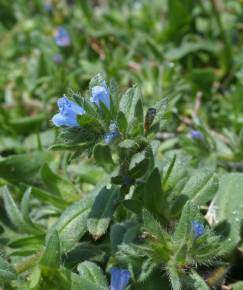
(227, 46)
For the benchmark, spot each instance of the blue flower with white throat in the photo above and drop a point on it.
(100, 94)
(119, 278)
(68, 111)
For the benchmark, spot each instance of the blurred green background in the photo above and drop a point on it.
(189, 51)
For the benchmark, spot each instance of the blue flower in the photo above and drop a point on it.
(198, 229)
(57, 58)
(119, 278)
(197, 135)
(112, 134)
(100, 94)
(127, 180)
(62, 37)
(68, 113)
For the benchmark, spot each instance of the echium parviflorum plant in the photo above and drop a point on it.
(141, 226)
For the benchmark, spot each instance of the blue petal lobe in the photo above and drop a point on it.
(119, 278)
(68, 113)
(100, 94)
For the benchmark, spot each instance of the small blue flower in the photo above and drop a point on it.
(198, 229)
(195, 134)
(119, 278)
(108, 138)
(57, 58)
(127, 180)
(100, 94)
(62, 37)
(68, 113)
(112, 134)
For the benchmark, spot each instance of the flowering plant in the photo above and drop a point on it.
(141, 226)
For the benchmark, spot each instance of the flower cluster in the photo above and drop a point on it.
(69, 110)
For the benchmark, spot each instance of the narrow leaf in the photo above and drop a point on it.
(102, 211)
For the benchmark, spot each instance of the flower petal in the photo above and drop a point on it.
(119, 278)
(100, 94)
(68, 113)
(62, 120)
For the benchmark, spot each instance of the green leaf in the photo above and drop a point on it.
(102, 154)
(65, 147)
(51, 257)
(129, 102)
(174, 277)
(102, 211)
(123, 233)
(189, 214)
(139, 114)
(91, 272)
(198, 282)
(237, 285)
(25, 211)
(134, 205)
(128, 144)
(190, 47)
(200, 188)
(28, 123)
(57, 184)
(71, 225)
(29, 242)
(14, 213)
(7, 272)
(90, 277)
(139, 169)
(152, 226)
(78, 136)
(153, 281)
(227, 205)
(179, 13)
(35, 277)
(122, 122)
(90, 123)
(153, 196)
(161, 108)
(83, 251)
(48, 197)
(22, 167)
(175, 169)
